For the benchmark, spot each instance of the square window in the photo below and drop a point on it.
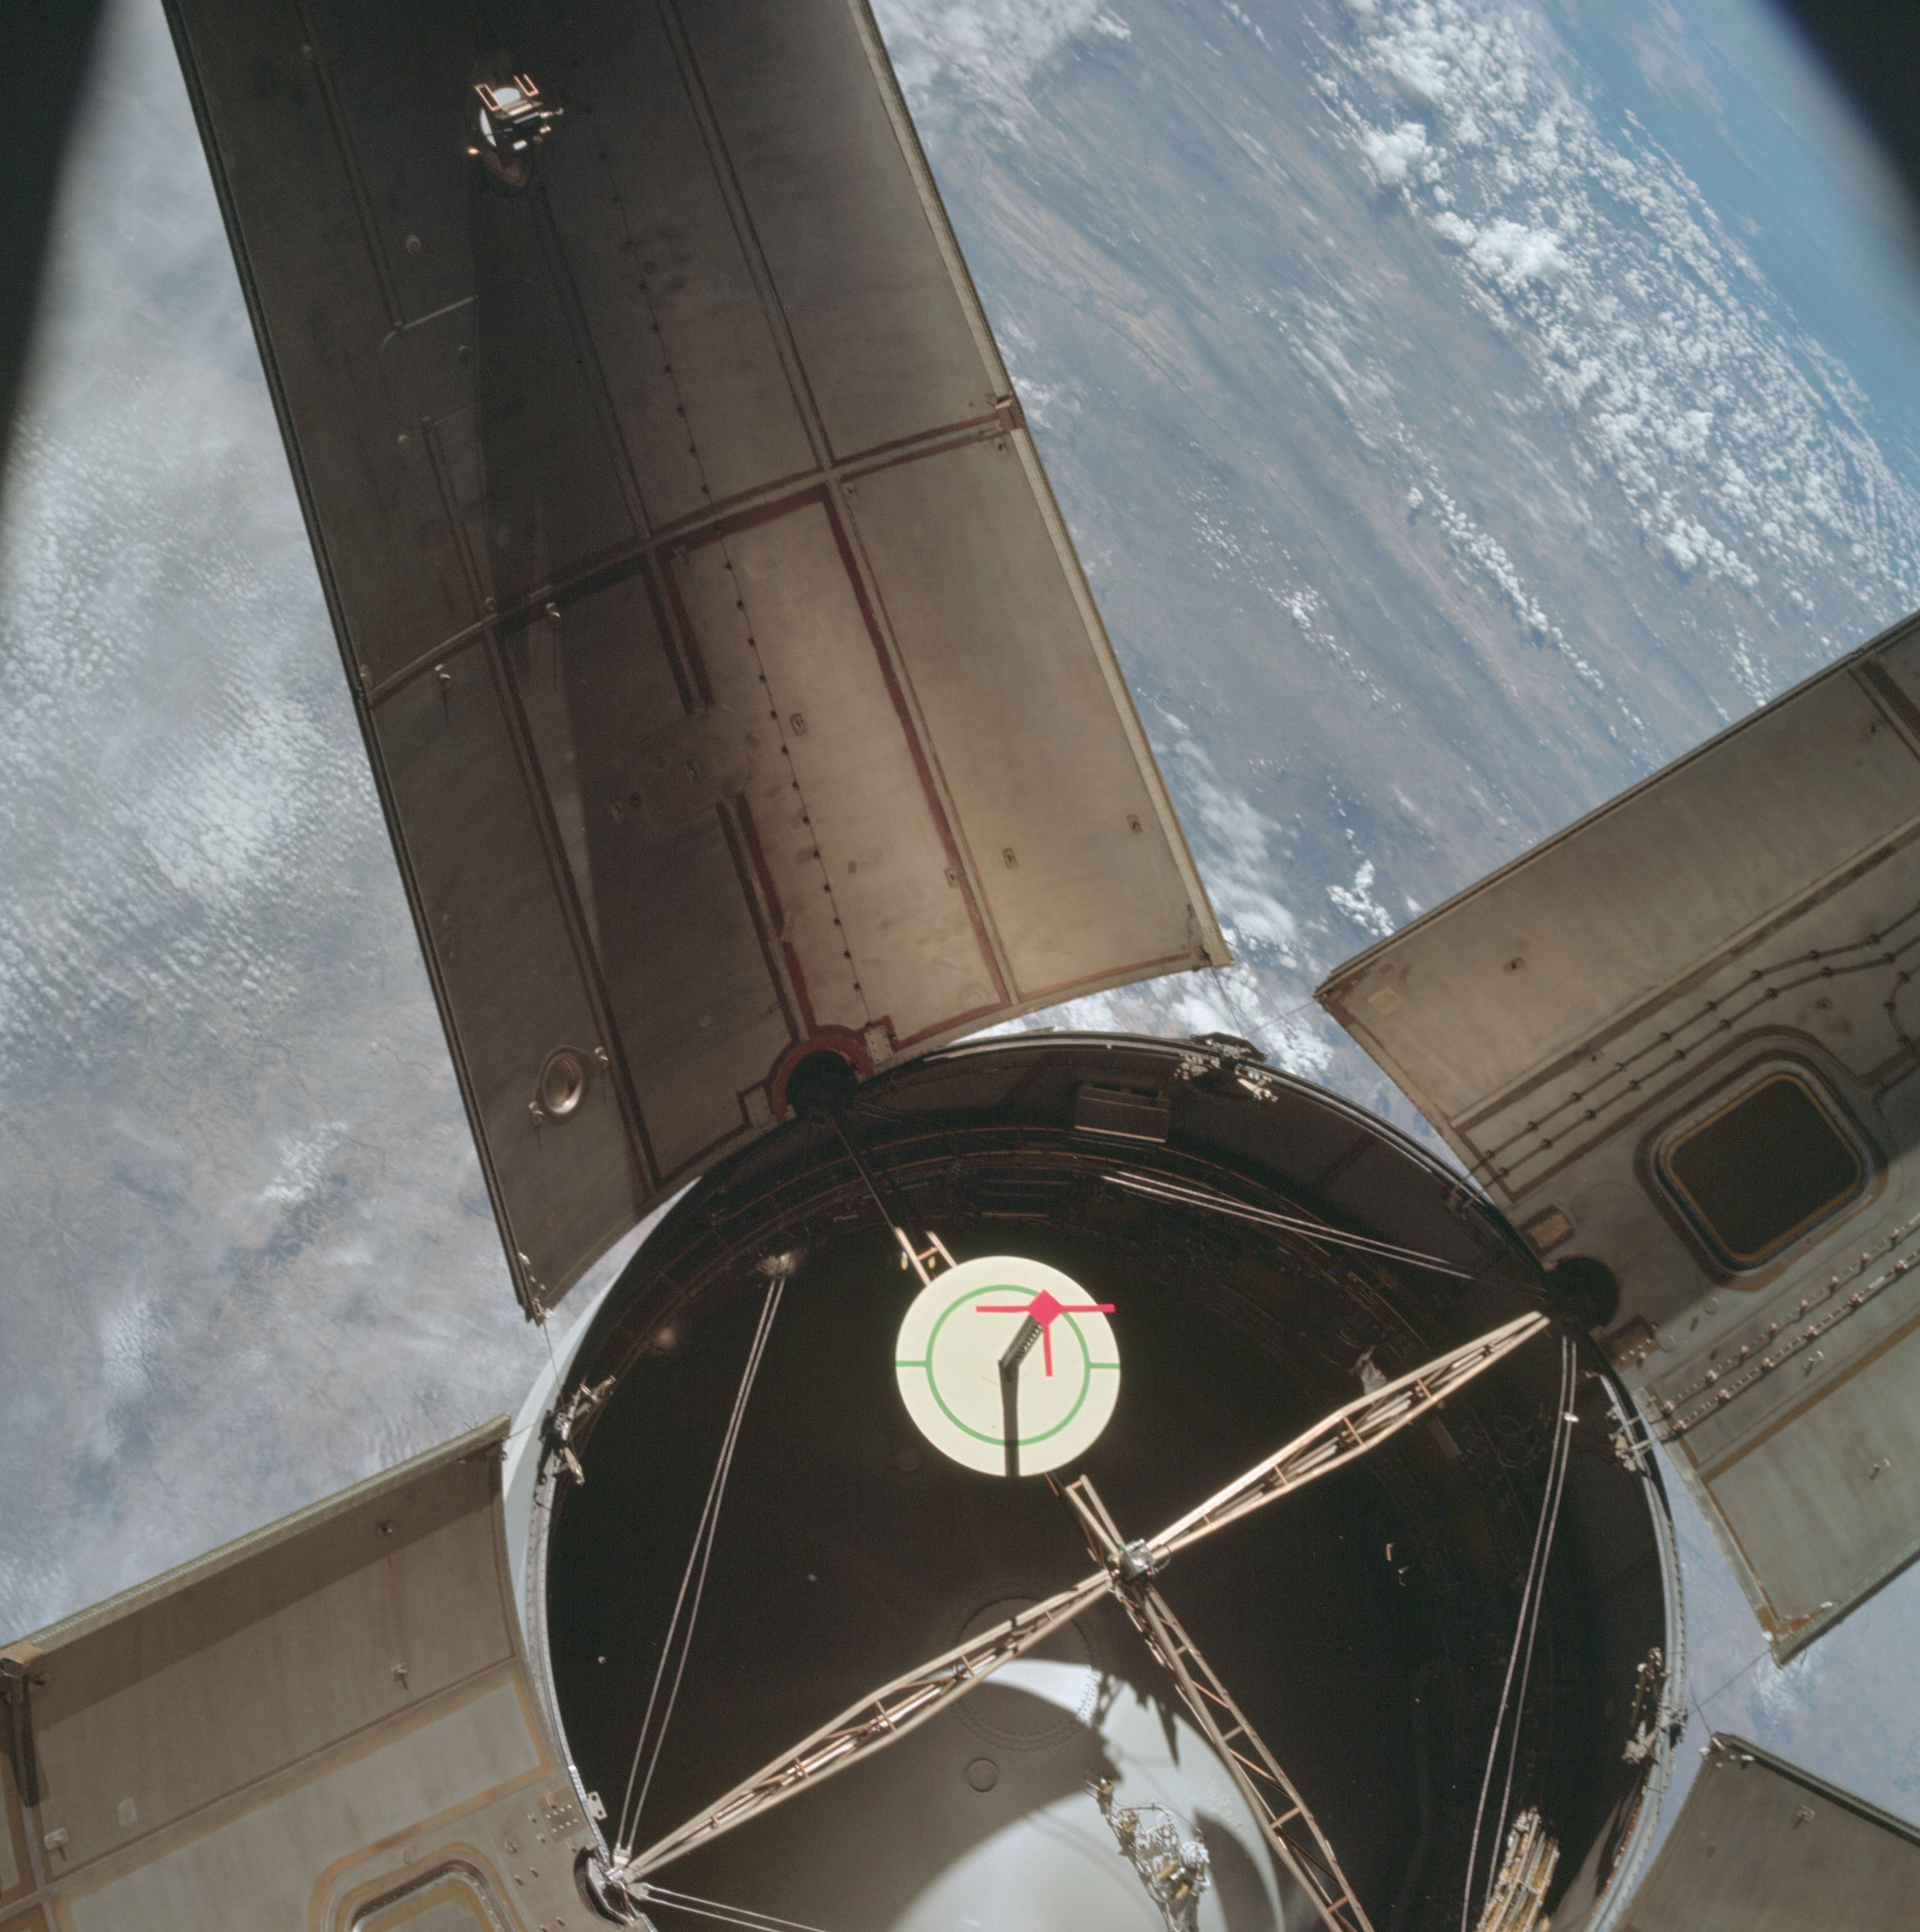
(1762, 1170)
(448, 1900)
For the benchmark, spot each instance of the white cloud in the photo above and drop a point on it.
(1358, 902)
(218, 819)
(1509, 253)
(1739, 444)
(989, 49)
(302, 1162)
(130, 1332)
(1232, 840)
(1393, 156)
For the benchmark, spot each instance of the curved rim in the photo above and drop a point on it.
(530, 1474)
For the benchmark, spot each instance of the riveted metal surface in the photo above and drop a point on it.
(1746, 922)
(313, 1716)
(1761, 1846)
(15, 1867)
(716, 634)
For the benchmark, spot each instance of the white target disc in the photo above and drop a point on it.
(1057, 1397)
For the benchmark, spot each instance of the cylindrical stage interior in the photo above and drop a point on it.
(1364, 1624)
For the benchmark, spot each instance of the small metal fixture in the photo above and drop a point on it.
(1174, 1868)
(604, 1894)
(556, 1433)
(1136, 1562)
(561, 1086)
(511, 124)
(1518, 1900)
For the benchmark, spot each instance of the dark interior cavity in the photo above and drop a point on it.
(1364, 1624)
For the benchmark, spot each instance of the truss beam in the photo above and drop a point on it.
(1292, 1829)
(1347, 1433)
(909, 1701)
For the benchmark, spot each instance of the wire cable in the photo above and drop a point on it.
(704, 1537)
(1557, 1485)
(740, 1914)
(1532, 1598)
(1532, 1595)
(1179, 1194)
(1233, 1013)
(694, 1577)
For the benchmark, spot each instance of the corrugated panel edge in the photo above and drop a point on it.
(84, 1623)
(1328, 994)
(1211, 941)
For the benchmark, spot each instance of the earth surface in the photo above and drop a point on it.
(1462, 409)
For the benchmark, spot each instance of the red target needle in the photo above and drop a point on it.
(1044, 1310)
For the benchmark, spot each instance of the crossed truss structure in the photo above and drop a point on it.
(1127, 1571)
(1291, 1828)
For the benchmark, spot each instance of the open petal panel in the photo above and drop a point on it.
(326, 1726)
(731, 683)
(1678, 1041)
(1762, 1845)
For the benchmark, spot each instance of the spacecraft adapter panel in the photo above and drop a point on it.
(1675, 1044)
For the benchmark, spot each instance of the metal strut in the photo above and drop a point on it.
(890, 1712)
(1155, 1187)
(921, 1249)
(1292, 1829)
(1348, 1432)
(908, 1701)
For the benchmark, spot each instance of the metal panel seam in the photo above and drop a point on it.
(560, 277)
(1212, 941)
(920, 741)
(740, 218)
(1352, 969)
(1624, 1020)
(170, 1583)
(573, 919)
(1712, 1470)
(112, 1867)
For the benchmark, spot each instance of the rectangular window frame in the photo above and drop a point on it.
(1725, 1099)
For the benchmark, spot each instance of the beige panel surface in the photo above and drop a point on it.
(884, 340)
(1092, 894)
(260, 1655)
(1751, 913)
(16, 1877)
(698, 1010)
(849, 826)
(671, 285)
(1570, 939)
(296, 1722)
(523, 423)
(259, 1868)
(487, 888)
(1762, 1847)
(161, 1711)
(1834, 1488)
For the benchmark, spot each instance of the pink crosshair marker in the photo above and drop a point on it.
(1045, 1310)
